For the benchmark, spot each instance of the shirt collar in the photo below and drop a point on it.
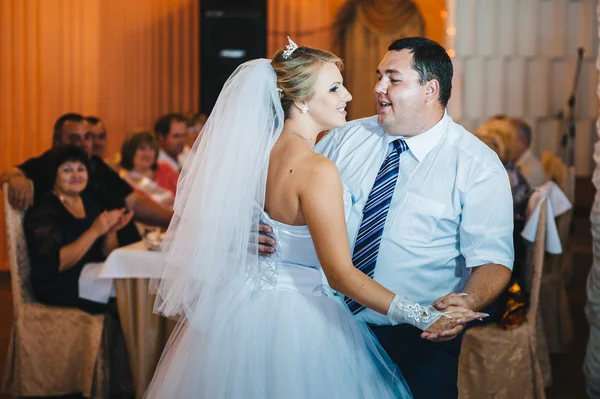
(421, 144)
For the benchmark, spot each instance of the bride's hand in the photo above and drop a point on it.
(458, 306)
(441, 325)
(447, 328)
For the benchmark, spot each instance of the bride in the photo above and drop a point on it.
(277, 326)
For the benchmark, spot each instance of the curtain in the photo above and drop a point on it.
(365, 30)
(307, 22)
(126, 61)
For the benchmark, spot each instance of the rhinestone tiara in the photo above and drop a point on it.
(289, 49)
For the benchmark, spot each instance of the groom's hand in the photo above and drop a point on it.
(444, 330)
(266, 244)
(460, 308)
(462, 300)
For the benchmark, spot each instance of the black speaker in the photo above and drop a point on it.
(232, 32)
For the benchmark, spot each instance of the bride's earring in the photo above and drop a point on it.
(304, 110)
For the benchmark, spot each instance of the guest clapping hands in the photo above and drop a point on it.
(67, 229)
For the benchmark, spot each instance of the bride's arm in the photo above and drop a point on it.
(321, 198)
(322, 204)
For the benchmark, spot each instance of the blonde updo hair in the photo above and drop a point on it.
(296, 76)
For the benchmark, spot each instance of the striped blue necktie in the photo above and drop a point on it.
(375, 212)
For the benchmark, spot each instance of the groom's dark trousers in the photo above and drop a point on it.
(430, 368)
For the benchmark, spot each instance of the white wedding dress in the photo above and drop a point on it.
(253, 327)
(292, 339)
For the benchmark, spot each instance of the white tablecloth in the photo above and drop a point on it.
(94, 288)
(133, 261)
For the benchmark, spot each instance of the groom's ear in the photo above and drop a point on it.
(432, 91)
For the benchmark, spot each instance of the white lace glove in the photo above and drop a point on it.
(403, 310)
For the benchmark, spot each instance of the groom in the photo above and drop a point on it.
(447, 239)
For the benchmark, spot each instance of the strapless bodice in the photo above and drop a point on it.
(294, 266)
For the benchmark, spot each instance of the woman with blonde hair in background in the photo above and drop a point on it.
(500, 133)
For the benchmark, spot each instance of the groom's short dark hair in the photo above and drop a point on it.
(430, 60)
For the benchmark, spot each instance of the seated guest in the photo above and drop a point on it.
(98, 135)
(103, 182)
(140, 168)
(195, 124)
(520, 134)
(171, 131)
(492, 141)
(529, 165)
(68, 228)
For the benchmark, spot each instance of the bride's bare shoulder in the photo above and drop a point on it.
(320, 169)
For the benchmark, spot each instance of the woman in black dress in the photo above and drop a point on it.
(67, 229)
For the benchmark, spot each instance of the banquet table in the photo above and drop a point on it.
(146, 333)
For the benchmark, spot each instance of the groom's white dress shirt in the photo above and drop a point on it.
(451, 209)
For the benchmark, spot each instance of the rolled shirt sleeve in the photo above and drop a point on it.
(486, 229)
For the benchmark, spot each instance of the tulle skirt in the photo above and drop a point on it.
(278, 344)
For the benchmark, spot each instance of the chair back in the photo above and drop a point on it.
(535, 267)
(566, 182)
(564, 220)
(556, 264)
(557, 171)
(18, 256)
(570, 189)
